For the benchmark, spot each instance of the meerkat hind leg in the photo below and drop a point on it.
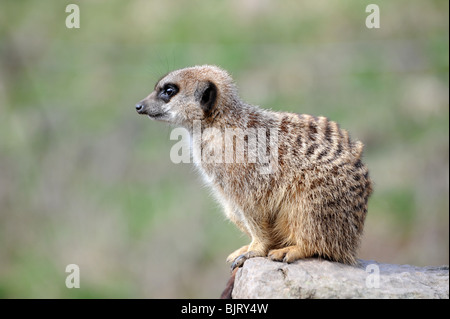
(287, 254)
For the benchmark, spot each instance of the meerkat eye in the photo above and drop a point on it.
(168, 91)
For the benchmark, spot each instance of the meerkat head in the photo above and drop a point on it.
(189, 94)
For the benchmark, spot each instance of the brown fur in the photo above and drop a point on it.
(314, 203)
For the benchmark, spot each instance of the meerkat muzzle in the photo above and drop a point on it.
(140, 107)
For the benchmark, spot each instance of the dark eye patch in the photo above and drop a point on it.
(167, 92)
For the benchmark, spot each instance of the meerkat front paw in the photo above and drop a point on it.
(240, 260)
(287, 254)
(231, 257)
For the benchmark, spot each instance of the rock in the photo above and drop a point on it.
(316, 278)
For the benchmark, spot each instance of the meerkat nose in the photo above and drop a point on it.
(139, 108)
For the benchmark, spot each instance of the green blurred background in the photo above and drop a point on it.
(84, 180)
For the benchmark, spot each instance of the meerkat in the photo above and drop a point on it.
(312, 202)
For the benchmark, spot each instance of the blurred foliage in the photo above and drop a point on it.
(85, 180)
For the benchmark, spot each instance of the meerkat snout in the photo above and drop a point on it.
(139, 108)
(314, 203)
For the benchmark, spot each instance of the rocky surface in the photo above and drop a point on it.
(315, 278)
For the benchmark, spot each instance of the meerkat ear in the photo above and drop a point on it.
(207, 94)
